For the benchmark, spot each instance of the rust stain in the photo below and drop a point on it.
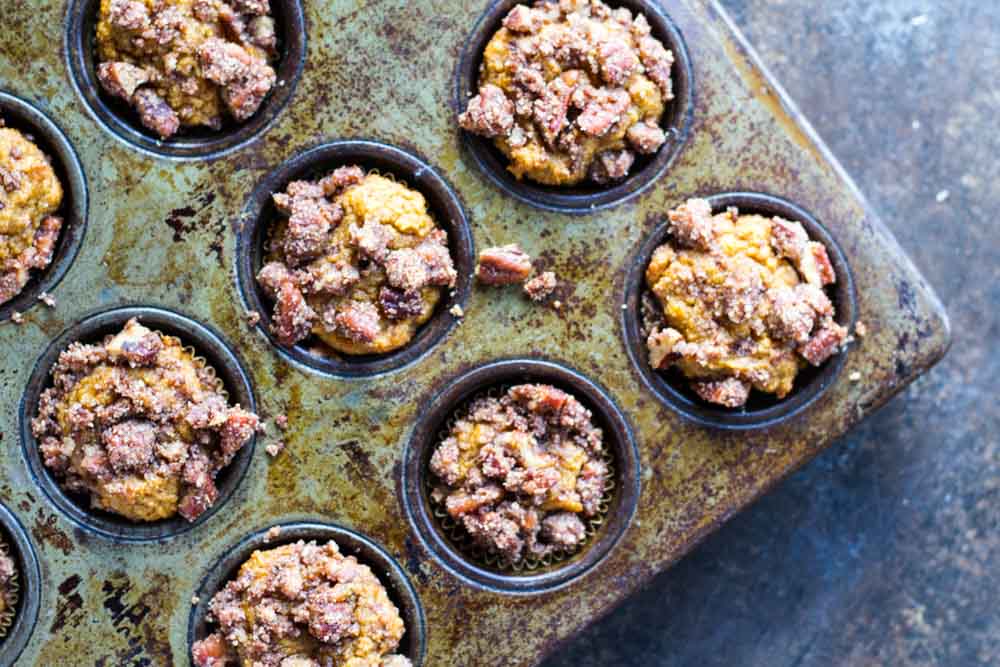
(46, 530)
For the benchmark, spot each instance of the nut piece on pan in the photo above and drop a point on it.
(504, 265)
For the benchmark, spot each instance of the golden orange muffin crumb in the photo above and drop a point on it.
(356, 261)
(572, 90)
(187, 62)
(519, 471)
(302, 605)
(739, 303)
(139, 425)
(30, 193)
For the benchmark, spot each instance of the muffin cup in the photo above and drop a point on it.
(671, 387)
(210, 351)
(586, 197)
(413, 645)
(14, 637)
(439, 538)
(260, 216)
(20, 115)
(122, 121)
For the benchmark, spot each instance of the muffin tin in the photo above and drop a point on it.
(173, 228)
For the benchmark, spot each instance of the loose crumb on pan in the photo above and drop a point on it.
(139, 425)
(195, 600)
(253, 318)
(503, 265)
(302, 605)
(457, 311)
(855, 376)
(522, 472)
(738, 303)
(572, 90)
(860, 329)
(47, 299)
(275, 448)
(17, 318)
(541, 287)
(273, 533)
(281, 421)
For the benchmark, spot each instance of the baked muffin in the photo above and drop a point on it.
(572, 90)
(522, 473)
(139, 425)
(187, 63)
(302, 605)
(30, 195)
(356, 261)
(739, 303)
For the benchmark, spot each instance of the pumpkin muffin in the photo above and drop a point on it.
(30, 195)
(739, 303)
(302, 605)
(572, 90)
(187, 63)
(356, 261)
(523, 472)
(139, 425)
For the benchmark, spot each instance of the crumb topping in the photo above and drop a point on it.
(30, 195)
(139, 425)
(187, 63)
(572, 90)
(739, 303)
(302, 605)
(357, 261)
(521, 472)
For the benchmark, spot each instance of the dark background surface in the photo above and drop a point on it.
(886, 549)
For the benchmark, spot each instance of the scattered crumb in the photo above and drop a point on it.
(541, 287)
(624, 306)
(855, 376)
(915, 125)
(253, 318)
(275, 448)
(272, 533)
(282, 421)
(47, 299)
(943, 196)
(919, 20)
(557, 304)
(17, 318)
(860, 329)
(457, 311)
(195, 599)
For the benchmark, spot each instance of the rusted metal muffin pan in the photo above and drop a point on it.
(176, 231)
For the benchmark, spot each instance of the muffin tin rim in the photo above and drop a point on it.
(448, 395)
(702, 413)
(293, 530)
(192, 332)
(493, 165)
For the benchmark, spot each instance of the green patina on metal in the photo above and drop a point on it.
(162, 233)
